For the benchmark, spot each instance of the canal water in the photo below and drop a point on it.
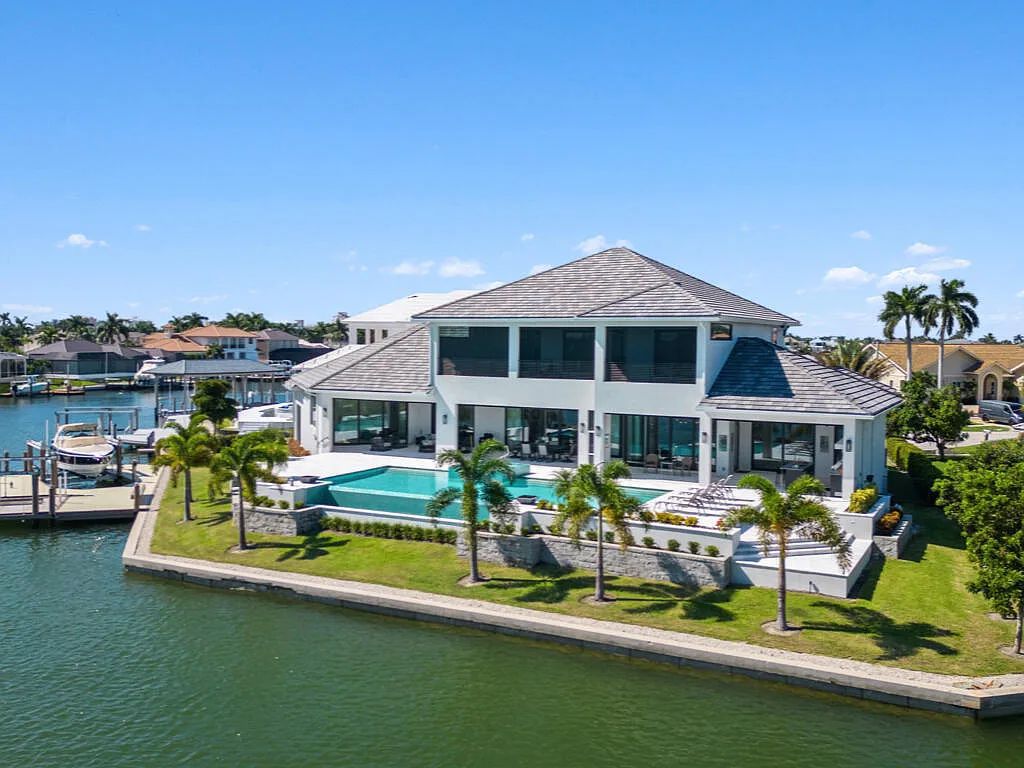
(99, 668)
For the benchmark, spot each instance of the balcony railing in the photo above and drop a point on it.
(556, 369)
(473, 366)
(652, 373)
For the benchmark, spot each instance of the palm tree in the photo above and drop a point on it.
(480, 472)
(989, 338)
(245, 460)
(905, 306)
(113, 329)
(76, 327)
(952, 312)
(584, 491)
(47, 333)
(187, 448)
(779, 515)
(856, 356)
(191, 320)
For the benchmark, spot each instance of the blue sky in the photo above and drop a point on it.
(301, 159)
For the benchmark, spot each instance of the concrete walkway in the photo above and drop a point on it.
(976, 697)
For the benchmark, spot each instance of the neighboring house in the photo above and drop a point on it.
(613, 356)
(235, 344)
(377, 324)
(87, 359)
(13, 367)
(276, 345)
(989, 371)
(172, 348)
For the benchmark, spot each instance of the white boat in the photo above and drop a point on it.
(143, 375)
(81, 449)
(31, 386)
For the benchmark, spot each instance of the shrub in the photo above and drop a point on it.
(609, 536)
(693, 546)
(295, 448)
(262, 501)
(591, 535)
(649, 542)
(888, 522)
(669, 518)
(283, 504)
(711, 550)
(555, 530)
(673, 545)
(899, 451)
(691, 521)
(863, 499)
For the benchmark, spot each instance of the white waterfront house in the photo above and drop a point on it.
(614, 355)
(234, 343)
(379, 323)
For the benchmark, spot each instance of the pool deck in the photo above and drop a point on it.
(976, 697)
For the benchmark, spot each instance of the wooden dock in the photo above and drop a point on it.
(25, 497)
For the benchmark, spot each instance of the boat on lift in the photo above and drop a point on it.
(81, 449)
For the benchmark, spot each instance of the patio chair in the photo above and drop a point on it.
(379, 444)
(542, 452)
(652, 461)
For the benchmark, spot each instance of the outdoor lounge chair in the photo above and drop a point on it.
(379, 444)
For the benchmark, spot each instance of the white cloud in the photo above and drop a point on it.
(526, 237)
(861, 234)
(488, 286)
(210, 299)
(847, 276)
(923, 249)
(945, 265)
(411, 268)
(539, 268)
(1020, 295)
(599, 243)
(143, 228)
(78, 240)
(28, 309)
(906, 276)
(460, 268)
(873, 299)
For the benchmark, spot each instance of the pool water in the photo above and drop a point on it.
(398, 489)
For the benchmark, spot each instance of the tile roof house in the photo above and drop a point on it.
(233, 343)
(87, 359)
(992, 371)
(612, 356)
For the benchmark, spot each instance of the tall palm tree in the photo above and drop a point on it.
(480, 473)
(245, 460)
(582, 493)
(905, 306)
(799, 510)
(112, 329)
(76, 327)
(191, 320)
(951, 310)
(854, 355)
(47, 333)
(187, 448)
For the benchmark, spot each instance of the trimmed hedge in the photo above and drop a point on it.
(389, 530)
(899, 451)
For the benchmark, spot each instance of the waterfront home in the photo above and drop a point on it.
(613, 356)
(83, 359)
(13, 367)
(171, 348)
(984, 371)
(394, 317)
(233, 343)
(275, 345)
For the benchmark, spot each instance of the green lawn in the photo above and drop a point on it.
(983, 427)
(914, 613)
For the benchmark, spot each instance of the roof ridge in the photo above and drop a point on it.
(629, 296)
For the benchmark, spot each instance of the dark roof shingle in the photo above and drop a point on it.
(400, 363)
(617, 282)
(760, 376)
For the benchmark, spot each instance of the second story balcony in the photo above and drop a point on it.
(556, 353)
(653, 355)
(472, 351)
(556, 369)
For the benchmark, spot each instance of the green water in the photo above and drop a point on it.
(98, 668)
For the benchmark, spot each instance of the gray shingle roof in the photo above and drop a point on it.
(762, 377)
(400, 363)
(617, 282)
(213, 368)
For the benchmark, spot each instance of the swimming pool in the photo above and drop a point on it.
(399, 489)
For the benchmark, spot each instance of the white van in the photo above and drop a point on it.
(1001, 412)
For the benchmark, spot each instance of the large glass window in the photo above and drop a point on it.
(467, 428)
(551, 433)
(775, 445)
(360, 421)
(472, 351)
(671, 442)
(655, 355)
(556, 353)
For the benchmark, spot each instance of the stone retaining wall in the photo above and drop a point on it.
(892, 546)
(638, 562)
(280, 522)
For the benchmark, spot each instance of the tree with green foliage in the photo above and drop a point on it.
(854, 355)
(590, 492)
(76, 327)
(984, 493)
(212, 401)
(951, 311)
(246, 459)
(112, 329)
(143, 326)
(184, 450)
(928, 413)
(904, 306)
(781, 515)
(480, 472)
(47, 333)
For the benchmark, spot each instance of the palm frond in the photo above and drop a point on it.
(440, 500)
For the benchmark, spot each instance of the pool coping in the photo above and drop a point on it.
(856, 679)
